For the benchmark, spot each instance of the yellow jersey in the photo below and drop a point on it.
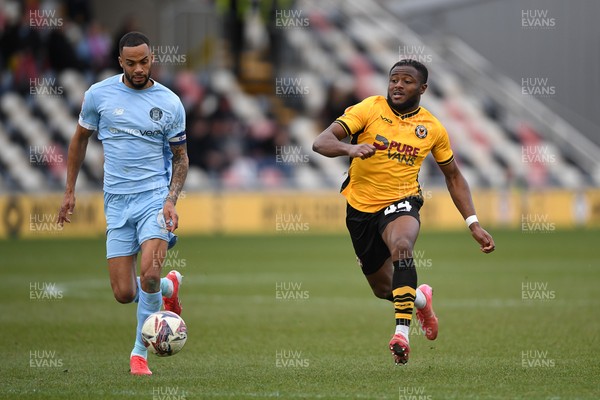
(402, 142)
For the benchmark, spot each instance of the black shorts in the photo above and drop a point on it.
(366, 230)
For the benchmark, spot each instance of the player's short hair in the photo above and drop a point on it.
(416, 65)
(133, 39)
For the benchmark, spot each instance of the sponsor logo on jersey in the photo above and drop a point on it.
(401, 152)
(136, 132)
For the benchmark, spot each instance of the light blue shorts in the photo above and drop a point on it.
(131, 219)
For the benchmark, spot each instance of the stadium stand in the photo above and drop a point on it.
(238, 124)
(509, 150)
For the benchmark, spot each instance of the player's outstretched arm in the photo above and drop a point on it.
(461, 196)
(75, 156)
(329, 144)
(181, 165)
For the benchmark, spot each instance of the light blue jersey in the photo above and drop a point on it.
(136, 128)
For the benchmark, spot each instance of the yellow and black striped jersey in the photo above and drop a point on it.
(402, 143)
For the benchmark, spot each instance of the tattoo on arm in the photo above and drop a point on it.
(180, 169)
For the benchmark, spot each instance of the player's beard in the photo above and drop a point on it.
(137, 85)
(406, 106)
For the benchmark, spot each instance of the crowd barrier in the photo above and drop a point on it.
(29, 216)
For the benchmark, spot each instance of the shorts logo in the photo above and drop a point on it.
(421, 132)
(156, 114)
(358, 260)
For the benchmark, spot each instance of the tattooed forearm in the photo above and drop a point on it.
(180, 169)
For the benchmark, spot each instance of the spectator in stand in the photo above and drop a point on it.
(21, 50)
(95, 47)
(61, 52)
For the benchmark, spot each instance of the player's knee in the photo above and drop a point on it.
(382, 290)
(382, 293)
(151, 281)
(124, 296)
(401, 248)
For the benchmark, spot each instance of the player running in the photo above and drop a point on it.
(389, 139)
(141, 125)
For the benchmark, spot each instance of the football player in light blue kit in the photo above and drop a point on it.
(141, 125)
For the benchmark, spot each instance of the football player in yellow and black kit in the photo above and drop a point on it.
(389, 139)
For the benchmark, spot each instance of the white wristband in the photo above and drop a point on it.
(471, 219)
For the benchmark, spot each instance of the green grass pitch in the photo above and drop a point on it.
(291, 316)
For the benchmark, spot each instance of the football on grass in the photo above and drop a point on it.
(164, 333)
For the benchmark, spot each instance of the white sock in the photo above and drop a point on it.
(166, 287)
(403, 330)
(420, 300)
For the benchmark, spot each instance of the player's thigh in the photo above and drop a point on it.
(399, 225)
(371, 252)
(150, 220)
(121, 271)
(400, 236)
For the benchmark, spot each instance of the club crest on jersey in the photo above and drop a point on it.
(421, 132)
(156, 114)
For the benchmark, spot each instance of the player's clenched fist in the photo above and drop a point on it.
(362, 151)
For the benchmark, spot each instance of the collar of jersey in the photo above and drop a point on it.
(122, 80)
(407, 115)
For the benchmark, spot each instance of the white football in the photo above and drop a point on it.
(164, 333)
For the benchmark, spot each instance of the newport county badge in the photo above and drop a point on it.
(421, 132)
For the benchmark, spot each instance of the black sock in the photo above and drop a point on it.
(404, 290)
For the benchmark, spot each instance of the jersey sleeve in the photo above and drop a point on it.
(442, 152)
(176, 133)
(355, 117)
(89, 116)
